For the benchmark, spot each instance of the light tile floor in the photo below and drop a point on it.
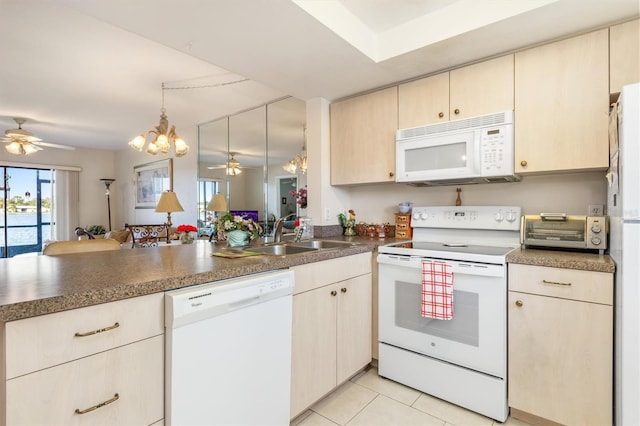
(368, 400)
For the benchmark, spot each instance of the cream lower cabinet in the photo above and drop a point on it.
(560, 345)
(99, 365)
(562, 105)
(331, 326)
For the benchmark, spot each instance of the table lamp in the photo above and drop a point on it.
(217, 204)
(168, 204)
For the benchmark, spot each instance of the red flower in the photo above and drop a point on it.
(186, 228)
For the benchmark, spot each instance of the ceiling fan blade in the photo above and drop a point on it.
(54, 145)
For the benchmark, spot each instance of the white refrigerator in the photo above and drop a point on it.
(623, 203)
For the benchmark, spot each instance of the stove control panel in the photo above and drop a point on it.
(467, 217)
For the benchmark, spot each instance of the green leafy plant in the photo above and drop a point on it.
(96, 229)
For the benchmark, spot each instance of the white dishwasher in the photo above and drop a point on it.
(228, 351)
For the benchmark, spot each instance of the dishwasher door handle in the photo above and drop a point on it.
(242, 303)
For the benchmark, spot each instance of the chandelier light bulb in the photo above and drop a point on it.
(181, 147)
(138, 142)
(152, 148)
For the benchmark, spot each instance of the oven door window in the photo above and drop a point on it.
(463, 328)
(474, 338)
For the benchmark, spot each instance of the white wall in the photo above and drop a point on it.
(185, 178)
(568, 193)
(95, 164)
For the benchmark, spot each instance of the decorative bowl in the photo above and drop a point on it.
(404, 207)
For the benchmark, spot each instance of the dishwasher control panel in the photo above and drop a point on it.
(193, 303)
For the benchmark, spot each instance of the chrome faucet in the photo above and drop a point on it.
(277, 227)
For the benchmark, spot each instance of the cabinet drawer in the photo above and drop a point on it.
(402, 227)
(403, 235)
(51, 396)
(587, 286)
(40, 342)
(402, 218)
(318, 274)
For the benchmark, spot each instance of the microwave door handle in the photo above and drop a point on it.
(554, 216)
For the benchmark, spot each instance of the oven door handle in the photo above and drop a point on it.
(459, 267)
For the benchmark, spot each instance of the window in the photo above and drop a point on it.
(25, 210)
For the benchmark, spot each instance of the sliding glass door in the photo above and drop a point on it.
(25, 210)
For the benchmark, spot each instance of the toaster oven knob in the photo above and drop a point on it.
(596, 241)
(596, 228)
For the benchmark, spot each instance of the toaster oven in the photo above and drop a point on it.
(559, 230)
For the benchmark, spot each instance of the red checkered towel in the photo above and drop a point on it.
(437, 291)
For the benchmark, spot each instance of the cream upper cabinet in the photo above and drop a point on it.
(624, 54)
(562, 105)
(560, 345)
(363, 132)
(331, 326)
(477, 89)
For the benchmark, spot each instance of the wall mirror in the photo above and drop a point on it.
(243, 156)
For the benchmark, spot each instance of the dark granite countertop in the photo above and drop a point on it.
(38, 285)
(562, 259)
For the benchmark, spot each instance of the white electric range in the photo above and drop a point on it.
(462, 360)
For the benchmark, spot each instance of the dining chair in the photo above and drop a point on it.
(148, 235)
(80, 246)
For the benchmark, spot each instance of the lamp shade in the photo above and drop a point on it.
(169, 203)
(217, 204)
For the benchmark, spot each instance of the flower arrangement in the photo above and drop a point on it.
(227, 222)
(301, 196)
(186, 228)
(185, 233)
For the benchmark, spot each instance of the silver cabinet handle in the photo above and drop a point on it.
(90, 333)
(555, 283)
(95, 407)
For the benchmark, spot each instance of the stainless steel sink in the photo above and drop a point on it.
(322, 244)
(281, 249)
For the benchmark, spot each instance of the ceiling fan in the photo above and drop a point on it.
(23, 142)
(232, 166)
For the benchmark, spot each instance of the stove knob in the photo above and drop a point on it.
(416, 216)
(511, 217)
(596, 229)
(596, 241)
(499, 217)
(424, 216)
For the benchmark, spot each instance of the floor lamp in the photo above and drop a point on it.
(107, 183)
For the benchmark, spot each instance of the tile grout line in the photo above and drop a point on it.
(363, 408)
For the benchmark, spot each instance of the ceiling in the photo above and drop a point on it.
(88, 73)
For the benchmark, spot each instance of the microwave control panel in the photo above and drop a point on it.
(496, 150)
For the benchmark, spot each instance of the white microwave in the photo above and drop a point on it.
(471, 150)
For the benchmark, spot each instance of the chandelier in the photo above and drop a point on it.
(163, 139)
(300, 160)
